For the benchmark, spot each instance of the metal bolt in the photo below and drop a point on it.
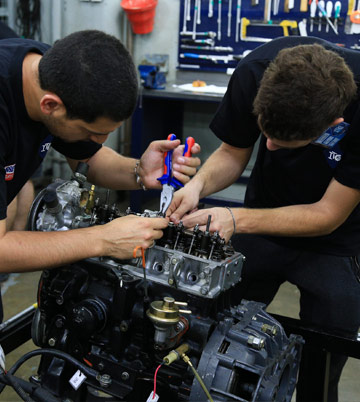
(104, 380)
(59, 323)
(125, 375)
(124, 326)
(204, 290)
(171, 281)
(173, 261)
(60, 300)
(269, 329)
(255, 342)
(52, 342)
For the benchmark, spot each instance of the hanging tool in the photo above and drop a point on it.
(212, 57)
(195, 18)
(219, 19)
(313, 7)
(355, 20)
(337, 13)
(238, 15)
(304, 6)
(186, 4)
(213, 48)
(169, 183)
(198, 19)
(245, 22)
(188, 11)
(329, 8)
(209, 42)
(348, 24)
(276, 5)
(321, 6)
(211, 8)
(267, 10)
(210, 34)
(229, 19)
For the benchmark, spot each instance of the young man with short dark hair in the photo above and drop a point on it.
(71, 96)
(301, 221)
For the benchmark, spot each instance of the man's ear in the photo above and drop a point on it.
(337, 121)
(51, 103)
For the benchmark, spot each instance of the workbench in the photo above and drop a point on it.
(184, 113)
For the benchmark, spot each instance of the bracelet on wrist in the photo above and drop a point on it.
(233, 218)
(137, 176)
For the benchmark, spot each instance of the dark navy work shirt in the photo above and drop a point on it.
(24, 142)
(293, 176)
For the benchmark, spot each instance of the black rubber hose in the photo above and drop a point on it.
(12, 381)
(38, 393)
(89, 372)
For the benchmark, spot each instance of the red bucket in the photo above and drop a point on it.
(141, 14)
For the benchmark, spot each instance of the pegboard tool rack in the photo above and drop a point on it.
(208, 56)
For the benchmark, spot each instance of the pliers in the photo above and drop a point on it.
(170, 184)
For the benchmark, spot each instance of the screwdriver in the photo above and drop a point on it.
(329, 8)
(337, 13)
(313, 7)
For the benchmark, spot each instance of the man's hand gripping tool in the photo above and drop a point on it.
(170, 184)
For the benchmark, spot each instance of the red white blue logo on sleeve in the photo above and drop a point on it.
(9, 172)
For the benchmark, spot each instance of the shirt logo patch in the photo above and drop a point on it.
(9, 172)
(45, 146)
(333, 156)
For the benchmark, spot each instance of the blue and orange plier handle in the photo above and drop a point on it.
(167, 177)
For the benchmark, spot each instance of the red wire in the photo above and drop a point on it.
(155, 380)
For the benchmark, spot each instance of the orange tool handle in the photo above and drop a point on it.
(142, 255)
(189, 142)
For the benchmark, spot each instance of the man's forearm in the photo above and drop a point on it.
(291, 221)
(221, 169)
(111, 170)
(25, 251)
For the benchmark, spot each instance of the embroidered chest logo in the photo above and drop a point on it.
(334, 156)
(45, 146)
(9, 172)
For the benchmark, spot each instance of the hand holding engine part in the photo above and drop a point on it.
(124, 234)
(152, 162)
(222, 221)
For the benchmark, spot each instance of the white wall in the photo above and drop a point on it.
(62, 17)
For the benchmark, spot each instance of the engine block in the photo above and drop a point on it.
(173, 315)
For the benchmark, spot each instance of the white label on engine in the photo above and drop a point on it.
(77, 379)
(152, 398)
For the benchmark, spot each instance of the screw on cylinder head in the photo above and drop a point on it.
(256, 342)
(170, 281)
(60, 300)
(104, 380)
(124, 326)
(59, 323)
(125, 375)
(52, 342)
(204, 290)
(173, 261)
